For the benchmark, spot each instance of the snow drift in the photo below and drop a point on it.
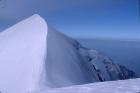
(22, 55)
(34, 56)
(121, 86)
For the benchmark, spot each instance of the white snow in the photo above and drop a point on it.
(64, 65)
(35, 57)
(22, 55)
(122, 86)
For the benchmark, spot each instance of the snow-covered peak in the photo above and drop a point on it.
(22, 55)
(34, 22)
(34, 56)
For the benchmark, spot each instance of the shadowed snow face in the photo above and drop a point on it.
(24, 48)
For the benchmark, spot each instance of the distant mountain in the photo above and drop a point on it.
(34, 56)
(76, 64)
(122, 52)
(104, 68)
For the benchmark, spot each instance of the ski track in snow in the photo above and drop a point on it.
(121, 86)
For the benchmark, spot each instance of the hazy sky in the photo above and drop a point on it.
(78, 18)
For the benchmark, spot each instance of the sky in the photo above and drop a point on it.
(78, 18)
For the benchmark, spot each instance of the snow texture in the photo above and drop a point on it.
(69, 63)
(35, 57)
(22, 55)
(121, 86)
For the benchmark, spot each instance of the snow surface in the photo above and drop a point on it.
(26, 65)
(69, 63)
(36, 57)
(121, 86)
(65, 66)
(22, 55)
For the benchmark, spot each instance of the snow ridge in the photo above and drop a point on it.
(22, 54)
(69, 63)
(35, 57)
(121, 86)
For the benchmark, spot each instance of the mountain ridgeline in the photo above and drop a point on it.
(76, 64)
(40, 57)
(104, 68)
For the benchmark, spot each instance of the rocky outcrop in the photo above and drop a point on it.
(103, 67)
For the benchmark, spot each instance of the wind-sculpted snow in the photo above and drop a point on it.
(34, 57)
(64, 65)
(69, 63)
(122, 86)
(22, 54)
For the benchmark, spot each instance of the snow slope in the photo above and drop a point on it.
(65, 66)
(25, 64)
(34, 57)
(69, 63)
(22, 55)
(122, 86)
